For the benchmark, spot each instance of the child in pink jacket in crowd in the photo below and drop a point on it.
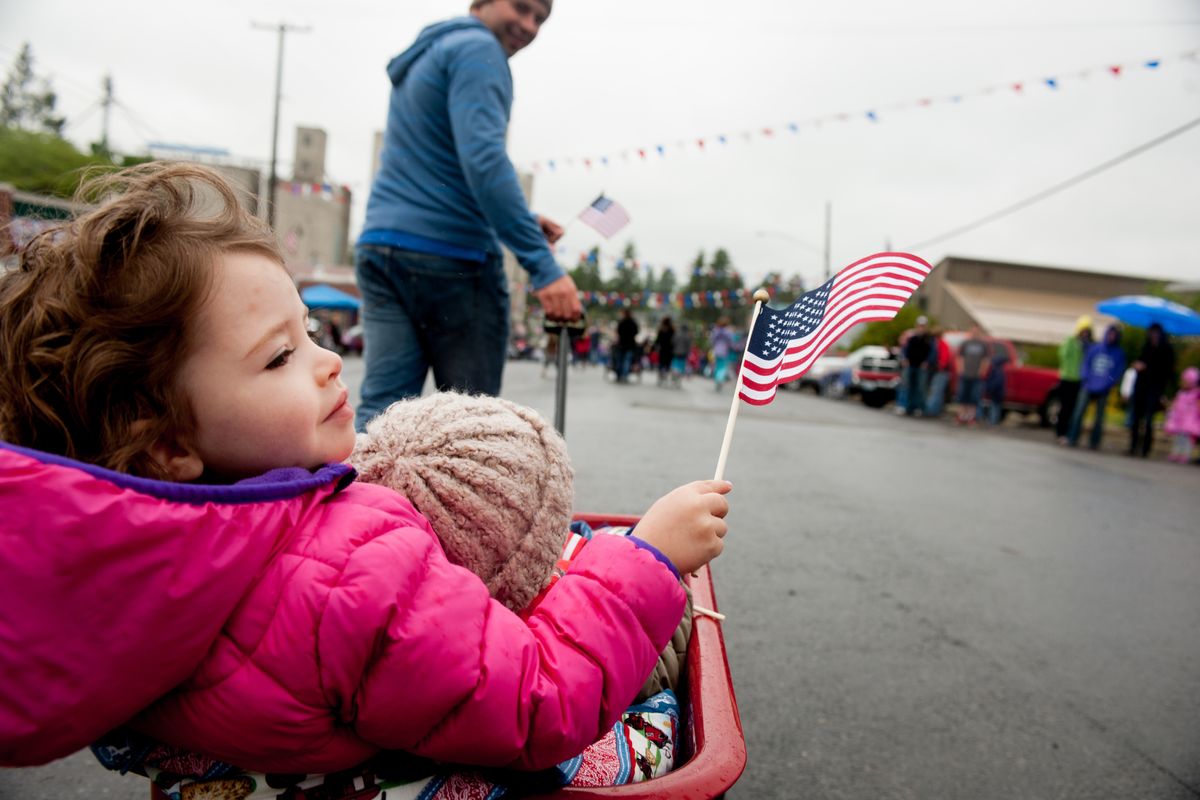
(185, 552)
(1183, 418)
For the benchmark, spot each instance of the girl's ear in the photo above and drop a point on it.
(175, 456)
(178, 460)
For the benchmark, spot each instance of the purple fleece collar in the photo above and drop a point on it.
(276, 484)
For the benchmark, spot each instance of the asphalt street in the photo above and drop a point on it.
(915, 610)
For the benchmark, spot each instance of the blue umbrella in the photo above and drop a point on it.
(323, 295)
(1142, 310)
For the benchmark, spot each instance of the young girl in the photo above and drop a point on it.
(1183, 420)
(185, 553)
(721, 341)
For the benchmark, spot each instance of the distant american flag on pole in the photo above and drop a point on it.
(606, 216)
(785, 343)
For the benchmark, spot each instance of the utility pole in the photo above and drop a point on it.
(828, 228)
(282, 28)
(107, 102)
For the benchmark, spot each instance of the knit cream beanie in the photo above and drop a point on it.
(492, 477)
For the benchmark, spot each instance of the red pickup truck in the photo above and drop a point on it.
(1027, 389)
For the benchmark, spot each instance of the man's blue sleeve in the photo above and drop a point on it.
(479, 96)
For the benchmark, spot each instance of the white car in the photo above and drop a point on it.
(819, 375)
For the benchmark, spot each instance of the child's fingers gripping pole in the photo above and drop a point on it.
(760, 297)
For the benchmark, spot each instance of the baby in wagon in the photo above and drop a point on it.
(186, 554)
(495, 481)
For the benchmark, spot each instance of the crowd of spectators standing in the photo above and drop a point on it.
(969, 373)
(672, 352)
(1090, 371)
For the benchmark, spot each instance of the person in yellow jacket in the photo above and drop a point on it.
(1070, 360)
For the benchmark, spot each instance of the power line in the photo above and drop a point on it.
(143, 128)
(80, 118)
(1058, 187)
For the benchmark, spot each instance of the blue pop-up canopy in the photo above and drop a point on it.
(322, 295)
(1144, 310)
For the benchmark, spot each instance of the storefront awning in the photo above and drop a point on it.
(1025, 315)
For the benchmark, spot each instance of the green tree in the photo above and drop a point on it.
(586, 273)
(783, 291)
(40, 162)
(666, 281)
(721, 266)
(628, 280)
(709, 283)
(46, 164)
(27, 101)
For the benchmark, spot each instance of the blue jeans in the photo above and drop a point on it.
(423, 311)
(970, 391)
(1085, 398)
(994, 392)
(623, 362)
(914, 380)
(721, 369)
(935, 399)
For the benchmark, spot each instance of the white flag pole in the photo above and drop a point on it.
(760, 297)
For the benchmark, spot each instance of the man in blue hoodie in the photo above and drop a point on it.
(446, 195)
(1103, 366)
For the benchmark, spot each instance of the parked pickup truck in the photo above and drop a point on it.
(1027, 389)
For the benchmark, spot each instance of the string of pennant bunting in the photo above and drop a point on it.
(702, 143)
(621, 263)
(326, 191)
(723, 298)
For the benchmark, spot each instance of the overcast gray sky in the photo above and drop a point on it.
(608, 77)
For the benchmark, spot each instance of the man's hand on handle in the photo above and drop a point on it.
(560, 300)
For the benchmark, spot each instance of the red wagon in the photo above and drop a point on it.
(713, 747)
(712, 750)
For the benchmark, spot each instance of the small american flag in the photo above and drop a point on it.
(606, 216)
(785, 343)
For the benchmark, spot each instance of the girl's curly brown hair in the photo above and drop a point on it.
(96, 317)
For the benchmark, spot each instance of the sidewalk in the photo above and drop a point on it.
(1115, 440)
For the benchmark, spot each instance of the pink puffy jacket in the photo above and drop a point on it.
(299, 622)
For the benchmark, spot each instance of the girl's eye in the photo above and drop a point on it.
(315, 336)
(281, 359)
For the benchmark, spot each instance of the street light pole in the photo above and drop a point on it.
(282, 29)
(828, 227)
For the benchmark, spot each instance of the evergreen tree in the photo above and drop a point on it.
(720, 266)
(26, 101)
(628, 280)
(710, 285)
(666, 281)
(586, 273)
(783, 291)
